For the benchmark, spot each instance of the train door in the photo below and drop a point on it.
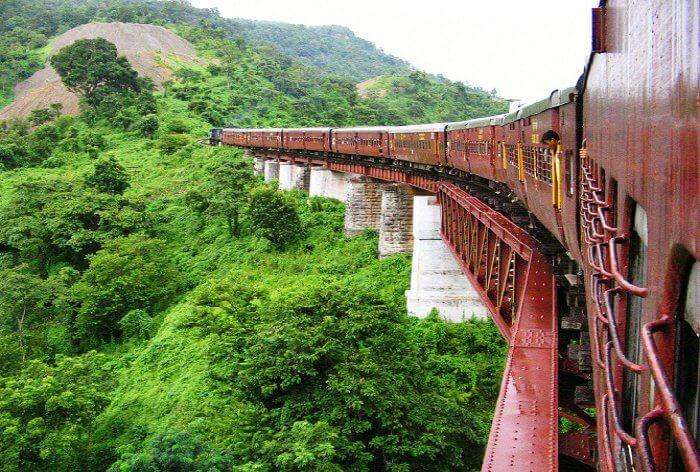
(638, 247)
(687, 359)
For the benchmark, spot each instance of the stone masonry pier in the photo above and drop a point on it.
(363, 204)
(437, 281)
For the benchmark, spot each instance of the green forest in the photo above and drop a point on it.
(163, 309)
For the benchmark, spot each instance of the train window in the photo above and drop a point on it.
(511, 126)
(637, 276)
(688, 358)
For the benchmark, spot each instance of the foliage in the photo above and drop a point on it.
(225, 191)
(147, 125)
(129, 273)
(108, 177)
(273, 216)
(171, 143)
(119, 233)
(90, 66)
(47, 414)
(42, 115)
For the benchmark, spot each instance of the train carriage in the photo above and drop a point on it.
(317, 139)
(472, 147)
(370, 141)
(541, 169)
(271, 138)
(293, 139)
(419, 144)
(234, 136)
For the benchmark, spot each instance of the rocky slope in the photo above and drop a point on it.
(151, 49)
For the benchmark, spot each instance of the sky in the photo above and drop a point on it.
(522, 48)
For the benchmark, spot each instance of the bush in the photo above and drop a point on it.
(108, 177)
(136, 324)
(274, 216)
(171, 143)
(177, 125)
(147, 125)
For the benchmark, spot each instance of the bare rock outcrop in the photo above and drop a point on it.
(152, 51)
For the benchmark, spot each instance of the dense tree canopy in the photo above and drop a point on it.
(163, 309)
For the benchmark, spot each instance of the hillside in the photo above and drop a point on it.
(24, 32)
(152, 50)
(334, 49)
(148, 320)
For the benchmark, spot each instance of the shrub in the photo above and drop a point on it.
(171, 143)
(129, 273)
(177, 125)
(108, 177)
(274, 216)
(136, 324)
(147, 125)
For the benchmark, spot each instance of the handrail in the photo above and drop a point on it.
(602, 239)
(631, 288)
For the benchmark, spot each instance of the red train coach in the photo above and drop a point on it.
(271, 138)
(317, 139)
(541, 169)
(472, 146)
(308, 139)
(419, 144)
(368, 141)
(234, 136)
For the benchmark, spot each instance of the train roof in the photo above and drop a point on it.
(263, 130)
(476, 122)
(360, 129)
(426, 128)
(305, 129)
(555, 99)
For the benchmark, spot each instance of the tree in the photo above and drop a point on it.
(47, 413)
(106, 82)
(147, 126)
(225, 192)
(129, 273)
(25, 301)
(108, 177)
(90, 65)
(274, 216)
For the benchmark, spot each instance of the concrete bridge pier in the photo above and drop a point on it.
(327, 183)
(258, 165)
(301, 176)
(396, 219)
(285, 175)
(437, 281)
(272, 170)
(363, 204)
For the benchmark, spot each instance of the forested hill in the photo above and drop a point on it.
(335, 49)
(162, 309)
(27, 24)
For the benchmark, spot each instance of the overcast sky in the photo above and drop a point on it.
(522, 48)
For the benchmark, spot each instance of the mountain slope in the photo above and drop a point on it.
(26, 25)
(151, 50)
(334, 49)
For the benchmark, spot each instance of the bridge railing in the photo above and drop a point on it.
(602, 238)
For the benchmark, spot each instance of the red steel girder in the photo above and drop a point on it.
(517, 284)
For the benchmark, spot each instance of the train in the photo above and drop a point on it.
(609, 170)
(505, 149)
